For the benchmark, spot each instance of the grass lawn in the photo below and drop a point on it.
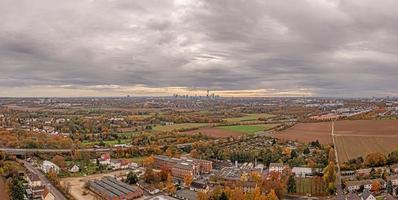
(182, 126)
(137, 159)
(248, 117)
(249, 129)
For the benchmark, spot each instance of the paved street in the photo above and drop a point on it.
(58, 195)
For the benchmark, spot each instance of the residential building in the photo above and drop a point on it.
(353, 186)
(48, 166)
(105, 159)
(393, 179)
(47, 195)
(184, 166)
(302, 171)
(74, 169)
(367, 195)
(35, 187)
(276, 167)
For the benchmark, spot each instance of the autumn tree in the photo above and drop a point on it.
(375, 160)
(149, 161)
(376, 186)
(149, 175)
(223, 196)
(60, 161)
(17, 189)
(389, 188)
(170, 187)
(188, 180)
(331, 155)
(202, 196)
(272, 195)
(330, 177)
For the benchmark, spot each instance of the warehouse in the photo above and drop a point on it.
(111, 189)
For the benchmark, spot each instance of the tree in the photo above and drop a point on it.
(291, 185)
(392, 157)
(188, 180)
(331, 155)
(149, 175)
(272, 195)
(389, 187)
(330, 177)
(375, 160)
(376, 186)
(53, 176)
(132, 178)
(223, 196)
(149, 161)
(306, 151)
(202, 196)
(2, 155)
(170, 187)
(17, 189)
(60, 161)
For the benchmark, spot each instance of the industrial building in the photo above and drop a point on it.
(109, 188)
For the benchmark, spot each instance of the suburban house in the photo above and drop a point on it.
(105, 159)
(393, 179)
(302, 171)
(276, 167)
(367, 184)
(199, 186)
(47, 195)
(119, 164)
(47, 166)
(35, 186)
(367, 195)
(74, 169)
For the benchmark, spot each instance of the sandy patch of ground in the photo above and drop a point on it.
(77, 184)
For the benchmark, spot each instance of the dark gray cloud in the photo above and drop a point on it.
(322, 47)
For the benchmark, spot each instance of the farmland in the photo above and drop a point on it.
(248, 117)
(3, 191)
(214, 132)
(179, 127)
(248, 129)
(307, 132)
(353, 138)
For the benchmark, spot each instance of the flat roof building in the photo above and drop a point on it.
(109, 188)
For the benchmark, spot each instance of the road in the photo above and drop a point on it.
(340, 192)
(15, 151)
(57, 194)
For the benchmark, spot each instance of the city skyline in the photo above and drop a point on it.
(234, 48)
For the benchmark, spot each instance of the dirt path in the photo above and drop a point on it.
(3, 191)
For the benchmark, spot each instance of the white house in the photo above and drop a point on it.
(301, 171)
(120, 164)
(47, 166)
(74, 169)
(276, 167)
(367, 184)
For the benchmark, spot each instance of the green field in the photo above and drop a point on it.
(182, 126)
(249, 129)
(108, 142)
(248, 117)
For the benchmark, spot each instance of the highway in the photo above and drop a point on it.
(57, 194)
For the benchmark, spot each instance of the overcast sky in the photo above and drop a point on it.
(233, 47)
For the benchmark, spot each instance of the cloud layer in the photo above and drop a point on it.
(236, 47)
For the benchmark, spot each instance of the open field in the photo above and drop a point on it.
(307, 132)
(353, 137)
(214, 132)
(248, 129)
(349, 147)
(248, 117)
(179, 126)
(77, 184)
